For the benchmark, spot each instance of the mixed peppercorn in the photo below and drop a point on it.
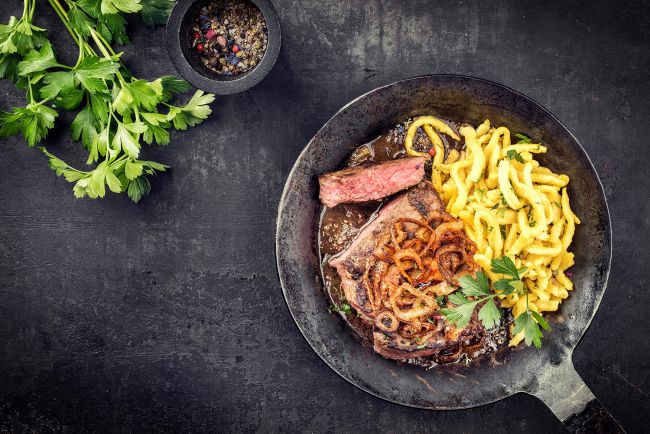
(230, 36)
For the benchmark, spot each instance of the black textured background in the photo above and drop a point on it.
(168, 315)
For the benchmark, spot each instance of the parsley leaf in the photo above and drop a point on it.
(474, 287)
(55, 82)
(514, 155)
(9, 66)
(540, 320)
(457, 298)
(342, 308)
(461, 314)
(193, 113)
(532, 333)
(92, 71)
(505, 266)
(37, 61)
(504, 286)
(115, 6)
(138, 188)
(69, 98)
(523, 139)
(84, 127)
(33, 122)
(172, 85)
(79, 20)
(489, 314)
(155, 12)
(137, 94)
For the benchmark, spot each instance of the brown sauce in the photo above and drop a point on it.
(339, 226)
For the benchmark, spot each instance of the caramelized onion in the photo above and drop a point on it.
(386, 321)
(415, 261)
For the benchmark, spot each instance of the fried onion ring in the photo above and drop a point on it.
(414, 262)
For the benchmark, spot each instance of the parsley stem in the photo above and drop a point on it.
(64, 18)
(101, 46)
(31, 92)
(82, 45)
(41, 102)
(60, 11)
(106, 44)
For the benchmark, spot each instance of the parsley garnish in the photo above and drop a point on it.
(529, 321)
(514, 155)
(118, 113)
(341, 308)
(474, 292)
(523, 139)
(479, 290)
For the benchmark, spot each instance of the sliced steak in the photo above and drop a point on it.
(370, 182)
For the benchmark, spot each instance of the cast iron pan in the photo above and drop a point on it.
(547, 373)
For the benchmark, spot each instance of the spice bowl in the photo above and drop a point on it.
(190, 61)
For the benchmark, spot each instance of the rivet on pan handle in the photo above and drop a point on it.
(569, 398)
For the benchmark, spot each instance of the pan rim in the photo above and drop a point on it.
(283, 203)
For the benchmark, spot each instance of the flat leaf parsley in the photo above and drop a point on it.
(118, 112)
(476, 292)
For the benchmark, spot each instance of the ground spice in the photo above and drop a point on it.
(230, 36)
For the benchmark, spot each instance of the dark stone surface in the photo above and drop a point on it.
(168, 315)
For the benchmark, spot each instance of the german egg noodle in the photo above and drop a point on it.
(511, 206)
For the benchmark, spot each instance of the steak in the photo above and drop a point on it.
(435, 338)
(417, 203)
(370, 182)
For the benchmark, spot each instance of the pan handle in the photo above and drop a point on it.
(569, 398)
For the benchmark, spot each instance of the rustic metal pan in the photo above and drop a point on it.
(547, 373)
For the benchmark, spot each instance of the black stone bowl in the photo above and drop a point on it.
(187, 61)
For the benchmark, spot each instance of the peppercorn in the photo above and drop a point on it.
(230, 36)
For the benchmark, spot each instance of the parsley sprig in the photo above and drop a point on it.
(475, 292)
(479, 291)
(118, 112)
